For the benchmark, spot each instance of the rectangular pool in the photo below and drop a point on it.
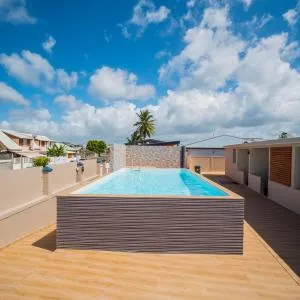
(167, 182)
(151, 210)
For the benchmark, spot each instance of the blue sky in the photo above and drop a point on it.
(81, 71)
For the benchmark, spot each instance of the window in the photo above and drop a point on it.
(20, 142)
(28, 142)
(234, 156)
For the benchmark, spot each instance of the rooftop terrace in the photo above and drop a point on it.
(269, 268)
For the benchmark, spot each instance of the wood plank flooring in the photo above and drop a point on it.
(32, 268)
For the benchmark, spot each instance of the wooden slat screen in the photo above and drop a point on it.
(281, 165)
(150, 225)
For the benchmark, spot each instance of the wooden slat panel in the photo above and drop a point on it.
(281, 165)
(158, 225)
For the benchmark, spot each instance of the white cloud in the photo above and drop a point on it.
(253, 93)
(9, 94)
(247, 3)
(68, 101)
(15, 12)
(291, 16)
(191, 3)
(144, 14)
(162, 53)
(31, 68)
(257, 23)
(49, 44)
(79, 121)
(116, 84)
(211, 54)
(107, 36)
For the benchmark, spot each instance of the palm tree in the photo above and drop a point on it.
(145, 125)
(134, 139)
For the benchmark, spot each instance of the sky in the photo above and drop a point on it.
(80, 70)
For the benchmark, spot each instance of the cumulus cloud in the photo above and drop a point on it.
(49, 44)
(9, 94)
(68, 102)
(217, 71)
(15, 12)
(110, 84)
(223, 84)
(211, 54)
(31, 68)
(144, 14)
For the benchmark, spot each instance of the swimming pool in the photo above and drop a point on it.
(177, 182)
(151, 210)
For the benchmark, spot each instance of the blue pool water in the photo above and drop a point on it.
(179, 182)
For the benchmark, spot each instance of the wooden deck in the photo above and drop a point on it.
(33, 268)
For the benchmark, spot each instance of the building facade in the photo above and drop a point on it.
(271, 168)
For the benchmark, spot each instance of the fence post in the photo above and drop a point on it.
(79, 171)
(99, 169)
(46, 170)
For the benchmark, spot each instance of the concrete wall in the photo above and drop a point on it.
(141, 224)
(153, 156)
(259, 162)
(26, 220)
(285, 196)
(254, 183)
(205, 152)
(231, 169)
(18, 187)
(27, 197)
(90, 169)
(62, 176)
(208, 164)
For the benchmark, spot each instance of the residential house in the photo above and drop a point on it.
(271, 168)
(17, 148)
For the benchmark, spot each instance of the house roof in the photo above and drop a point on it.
(218, 141)
(23, 135)
(268, 143)
(7, 142)
(153, 142)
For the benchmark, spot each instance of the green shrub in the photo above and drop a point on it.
(40, 161)
(56, 150)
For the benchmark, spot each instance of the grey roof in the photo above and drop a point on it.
(268, 143)
(7, 142)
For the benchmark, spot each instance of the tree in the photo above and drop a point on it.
(145, 125)
(134, 139)
(284, 135)
(96, 146)
(56, 151)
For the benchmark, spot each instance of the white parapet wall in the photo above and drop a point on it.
(285, 196)
(254, 183)
(26, 205)
(231, 169)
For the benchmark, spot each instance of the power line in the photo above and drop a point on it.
(223, 135)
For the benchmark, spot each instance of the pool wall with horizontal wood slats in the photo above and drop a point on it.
(151, 224)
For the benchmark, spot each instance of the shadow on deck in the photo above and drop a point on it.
(47, 242)
(278, 226)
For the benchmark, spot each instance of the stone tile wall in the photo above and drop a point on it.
(153, 156)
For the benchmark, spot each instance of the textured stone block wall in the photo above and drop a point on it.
(153, 156)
